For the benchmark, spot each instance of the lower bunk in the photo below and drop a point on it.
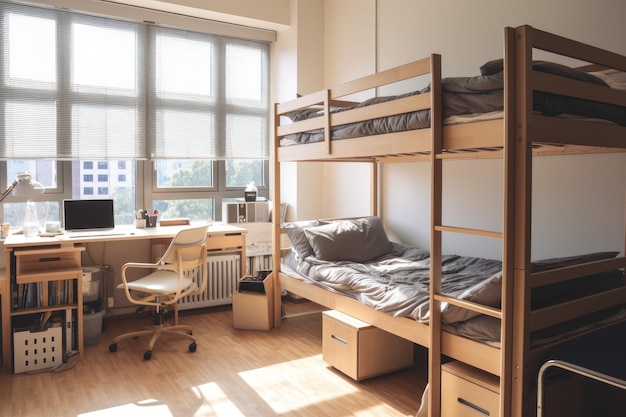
(388, 289)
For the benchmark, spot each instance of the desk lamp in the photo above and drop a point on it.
(23, 186)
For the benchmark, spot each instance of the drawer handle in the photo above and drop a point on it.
(473, 406)
(339, 339)
(50, 259)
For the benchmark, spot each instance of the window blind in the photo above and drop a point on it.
(88, 87)
(209, 98)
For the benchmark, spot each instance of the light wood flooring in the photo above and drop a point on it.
(233, 373)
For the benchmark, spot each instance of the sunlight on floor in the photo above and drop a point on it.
(147, 408)
(279, 389)
(216, 402)
(313, 388)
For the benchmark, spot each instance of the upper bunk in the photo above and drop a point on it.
(377, 127)
(563, 109)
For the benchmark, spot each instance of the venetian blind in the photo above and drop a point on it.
(84, 87)
(209, 98)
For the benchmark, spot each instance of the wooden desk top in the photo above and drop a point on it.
(127, 232)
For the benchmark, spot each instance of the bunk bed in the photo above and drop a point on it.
(523, 127)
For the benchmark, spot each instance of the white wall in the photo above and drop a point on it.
(364, 36)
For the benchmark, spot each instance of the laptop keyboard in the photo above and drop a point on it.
(92, 233)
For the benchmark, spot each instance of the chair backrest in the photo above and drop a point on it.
(191, 236)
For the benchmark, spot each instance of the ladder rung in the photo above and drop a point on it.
(479, 308)
(464, 230)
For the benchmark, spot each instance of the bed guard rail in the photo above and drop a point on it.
(588, 373)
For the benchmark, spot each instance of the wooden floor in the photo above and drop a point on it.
(233, 373)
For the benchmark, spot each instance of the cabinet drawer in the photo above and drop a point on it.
(468, 392)
(30, 264)
(360, 350)
(224, 242)
(340, 346)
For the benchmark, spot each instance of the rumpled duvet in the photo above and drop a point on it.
(398, 282)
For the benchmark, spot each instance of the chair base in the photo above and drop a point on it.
(155, 332)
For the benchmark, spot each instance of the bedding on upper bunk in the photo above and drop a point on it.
(355, 258)
(462, 96)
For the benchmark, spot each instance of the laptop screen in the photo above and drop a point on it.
(88, 214)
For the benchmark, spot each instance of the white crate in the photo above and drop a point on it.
(37, 350)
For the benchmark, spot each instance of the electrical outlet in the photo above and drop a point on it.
(111, 301)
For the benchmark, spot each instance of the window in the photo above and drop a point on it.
(241, 172)
(122, 192)
(46, 172)
(165, 117)
(173, 174)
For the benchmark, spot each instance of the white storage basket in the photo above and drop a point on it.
(37, 350)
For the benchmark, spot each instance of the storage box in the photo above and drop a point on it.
(361, 350)
(37, 350)
(465, 388)
(91, 283)
(252, 310)
(246, 212)
(251, 284)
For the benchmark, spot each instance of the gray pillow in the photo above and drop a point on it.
(359, 240)
(295, 232)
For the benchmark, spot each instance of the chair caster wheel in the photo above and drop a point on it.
(113, 347)
(147, 355)
(192, 347)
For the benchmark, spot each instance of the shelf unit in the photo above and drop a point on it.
(46, 280)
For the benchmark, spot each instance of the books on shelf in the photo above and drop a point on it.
(31, 295)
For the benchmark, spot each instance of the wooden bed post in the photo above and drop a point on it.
(523, 217)
(508, 242)
(275, 299)
(327, 128)
(434, 351)
(375, 198)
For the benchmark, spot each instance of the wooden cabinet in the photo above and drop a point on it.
(468, 392)
(45, 287)
(251, 305)
(361, 350)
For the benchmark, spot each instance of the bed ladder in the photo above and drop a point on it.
(438, 155)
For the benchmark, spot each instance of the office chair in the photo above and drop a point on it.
(181, 271)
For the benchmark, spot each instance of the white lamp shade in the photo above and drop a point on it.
(26, 186)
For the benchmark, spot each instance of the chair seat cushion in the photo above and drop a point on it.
(164, 282)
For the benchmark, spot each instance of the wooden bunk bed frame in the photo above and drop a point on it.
(515, 138)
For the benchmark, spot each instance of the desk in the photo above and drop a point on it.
(220, 238)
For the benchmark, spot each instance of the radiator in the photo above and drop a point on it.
(223, 273)
(258, 263)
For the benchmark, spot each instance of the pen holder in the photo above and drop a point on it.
(151, 220)
(140, 223)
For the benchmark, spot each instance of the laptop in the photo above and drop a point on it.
(88, 218)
